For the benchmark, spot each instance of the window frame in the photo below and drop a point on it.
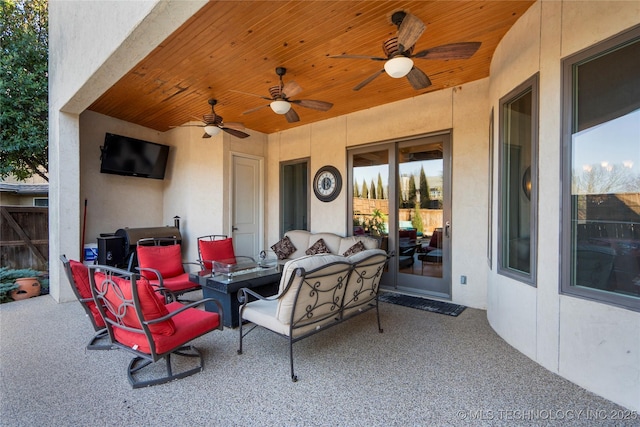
(531, 84)
(568, 65)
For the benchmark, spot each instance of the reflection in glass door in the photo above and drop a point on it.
(409, 213)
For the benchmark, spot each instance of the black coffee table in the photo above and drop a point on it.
(225, 289)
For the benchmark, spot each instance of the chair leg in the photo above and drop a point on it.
(240, 331)
(378, 316)
(97, 342)
(137, 364)
(294, 378)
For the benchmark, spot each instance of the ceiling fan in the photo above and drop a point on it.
(281, 99)
(399, 52)
(213, 123)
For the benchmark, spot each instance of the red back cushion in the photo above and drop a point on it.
(166, 259)
(216, 250)
(150, 305)
(80, 274)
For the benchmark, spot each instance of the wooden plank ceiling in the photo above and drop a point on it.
(236, 45)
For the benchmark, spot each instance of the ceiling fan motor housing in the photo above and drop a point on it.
(390, 48)
(212, 119)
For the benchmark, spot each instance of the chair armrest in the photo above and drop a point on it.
(243, 293)
(187, 306)
(168, 295)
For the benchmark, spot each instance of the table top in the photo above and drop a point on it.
(248, 278)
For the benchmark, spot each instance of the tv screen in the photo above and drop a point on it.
(122, 155)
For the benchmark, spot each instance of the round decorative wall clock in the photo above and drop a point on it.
(327, 183)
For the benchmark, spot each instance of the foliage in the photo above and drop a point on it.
(365, 190)
(425, 199)
(411, 200)
(8, 277)
(416, 221)
(376, 223)
(380, 190)
(23, 88)
(356, 190)
(372, 190)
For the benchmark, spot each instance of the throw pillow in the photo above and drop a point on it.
(283, 248)
(358, 247)
(318, 247)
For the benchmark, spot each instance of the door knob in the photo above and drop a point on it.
(446, 228)
(234, 228)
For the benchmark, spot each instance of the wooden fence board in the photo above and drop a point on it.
(24, 237)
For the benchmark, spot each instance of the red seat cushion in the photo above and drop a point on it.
(166, 259)
(151, 306)
(189, 324)
(80, 274)
(216, 250)
(176, 284)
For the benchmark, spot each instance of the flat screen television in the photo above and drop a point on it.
(122, 155)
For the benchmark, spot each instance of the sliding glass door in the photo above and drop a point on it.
(401, 195)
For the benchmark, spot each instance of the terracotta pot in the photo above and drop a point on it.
(27, 287)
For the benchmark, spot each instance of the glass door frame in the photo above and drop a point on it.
(411, 284)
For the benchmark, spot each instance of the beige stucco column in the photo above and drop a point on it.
(86, 57)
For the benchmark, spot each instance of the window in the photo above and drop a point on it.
(294, 196)
(601, 172)
(517, 218)
(41, 201)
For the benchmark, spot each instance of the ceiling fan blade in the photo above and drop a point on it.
(409, 32)
(418, 79)
(233, 125)
(255, 109)
(206, 135)
(251, 94)
(235, 132)
(292, 116)
(450, 51)
(291, 89)
(373, 58)
(368, 80)
(314, 105)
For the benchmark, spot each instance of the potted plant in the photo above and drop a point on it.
(18, 284)
(376, 223)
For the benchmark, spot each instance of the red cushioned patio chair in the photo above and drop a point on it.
(139, 321)
(78, 276)
(160, 261)
(214, 247)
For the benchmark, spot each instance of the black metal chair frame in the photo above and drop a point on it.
(115, 319)
(101, 335)
(309, 283)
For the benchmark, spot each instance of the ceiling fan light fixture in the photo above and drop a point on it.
(398, 67)
(280, 107)
(212, 130)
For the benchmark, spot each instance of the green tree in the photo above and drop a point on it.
(416, 221)
(425, 200)
(365, 190)
(412, 191)
(356, 190)
(24, 42)
(380, 190)
(372, 190)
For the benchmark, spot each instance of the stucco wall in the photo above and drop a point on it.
(91, 45)
(464, 109)
(594, 345)
(115, 201)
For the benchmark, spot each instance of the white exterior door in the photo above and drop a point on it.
(247, 203)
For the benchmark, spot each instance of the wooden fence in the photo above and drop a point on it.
(24, 237)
